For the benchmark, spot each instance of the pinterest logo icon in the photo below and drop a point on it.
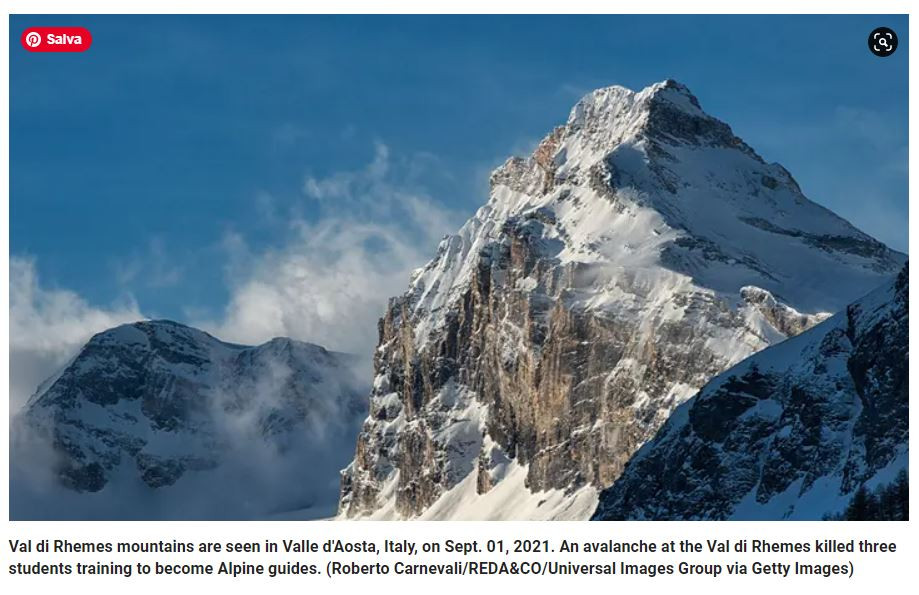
(33, 39)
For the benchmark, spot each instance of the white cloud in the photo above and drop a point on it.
(331, 281)
(328, 283)
(48, 326)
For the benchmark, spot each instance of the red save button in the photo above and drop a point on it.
(56, 39)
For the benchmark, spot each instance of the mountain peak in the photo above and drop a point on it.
(174, 400)
(642, 243)
(618, 105)
(674, 92)
(133, 331)
(710, 207)
(167, 338)
(665, 113)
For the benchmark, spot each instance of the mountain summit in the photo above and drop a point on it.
(159, 420)
(641, 249)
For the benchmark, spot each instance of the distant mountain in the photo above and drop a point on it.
(157, 419)
(641, 250)
(796, 431)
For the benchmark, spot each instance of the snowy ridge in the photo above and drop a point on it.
(171, 414)
(707, 207)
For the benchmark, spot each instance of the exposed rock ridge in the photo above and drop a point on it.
(598, 288)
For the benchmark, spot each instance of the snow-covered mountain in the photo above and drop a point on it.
(639, 251)
(159, 420)
(790, 432)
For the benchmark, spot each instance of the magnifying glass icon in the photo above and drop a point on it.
(882, 42)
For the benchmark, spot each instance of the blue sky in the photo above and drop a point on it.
(180, 153)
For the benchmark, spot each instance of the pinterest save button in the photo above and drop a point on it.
(56, 39)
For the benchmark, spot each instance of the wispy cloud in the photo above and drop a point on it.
(329, 283)
(48, 326)
(152, 267)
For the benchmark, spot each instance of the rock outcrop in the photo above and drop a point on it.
(791, 432)
(641, 250)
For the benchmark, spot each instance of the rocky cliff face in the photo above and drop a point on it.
(158, 404)
(791, 432)
(642, 249)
